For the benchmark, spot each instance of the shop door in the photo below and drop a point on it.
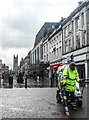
(81, 71)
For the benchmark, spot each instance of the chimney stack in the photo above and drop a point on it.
(80, 2)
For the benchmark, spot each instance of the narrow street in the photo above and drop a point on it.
(44, 59)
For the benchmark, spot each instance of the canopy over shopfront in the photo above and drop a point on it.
(55, 65)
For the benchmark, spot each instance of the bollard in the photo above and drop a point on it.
(51, 83)
(25, 82)
(11, 81)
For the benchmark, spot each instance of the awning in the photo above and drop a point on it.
(56, 65)
(5, 69)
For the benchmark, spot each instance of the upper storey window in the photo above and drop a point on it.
(77, 23)
(47, 48)
(72, 26)
(69, 28)
(65, 32)
(78, 41)
(44, 49)
(82, 19)
(66, 46)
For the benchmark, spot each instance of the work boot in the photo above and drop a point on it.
(67, 113)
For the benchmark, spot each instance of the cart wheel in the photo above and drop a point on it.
(58, 97)
(79, 103)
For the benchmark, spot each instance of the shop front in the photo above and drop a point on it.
(53, 74)
(82, 65)
(41, 71)
(81, 70)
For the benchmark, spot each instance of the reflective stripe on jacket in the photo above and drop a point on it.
(70, 77)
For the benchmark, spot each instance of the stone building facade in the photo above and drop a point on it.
(76, 38)
(70, 38)
(36, 58)
(56, 42)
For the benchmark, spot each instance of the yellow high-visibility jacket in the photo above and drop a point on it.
(70, 77)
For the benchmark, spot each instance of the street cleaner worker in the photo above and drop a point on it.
(70, 76)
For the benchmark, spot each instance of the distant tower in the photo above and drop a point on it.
(15, 64)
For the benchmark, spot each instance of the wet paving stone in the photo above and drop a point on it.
(34, 103)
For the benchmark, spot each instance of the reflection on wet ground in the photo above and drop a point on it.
(30, 83)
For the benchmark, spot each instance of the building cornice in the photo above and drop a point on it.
(78, 9)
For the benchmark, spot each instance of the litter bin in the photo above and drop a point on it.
(11, 81)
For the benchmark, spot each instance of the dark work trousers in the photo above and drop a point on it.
(72, 96)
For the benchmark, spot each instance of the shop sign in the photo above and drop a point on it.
(56, 65)
(5, 69)
(80, 58)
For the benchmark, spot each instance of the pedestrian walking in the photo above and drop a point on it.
(38, 78)
(20, 78)
(11, 81)
(52, 79)
(35, 77)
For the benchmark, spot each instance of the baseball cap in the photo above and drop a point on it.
(73, 64)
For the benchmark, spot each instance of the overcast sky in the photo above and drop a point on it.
(21, 20)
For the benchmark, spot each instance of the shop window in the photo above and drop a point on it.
(81, 71)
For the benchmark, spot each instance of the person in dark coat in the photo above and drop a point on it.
(20, 78)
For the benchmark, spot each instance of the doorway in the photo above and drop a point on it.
(81, 71)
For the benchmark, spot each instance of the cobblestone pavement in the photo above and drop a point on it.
(19, 102)
(28, 103)
(35, 103)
